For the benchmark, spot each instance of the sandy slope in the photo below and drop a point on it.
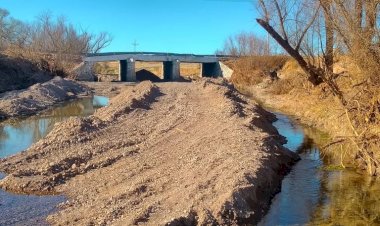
(167, 154)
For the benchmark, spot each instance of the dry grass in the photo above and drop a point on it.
(190, 70)
(282, 86)
(249, 71)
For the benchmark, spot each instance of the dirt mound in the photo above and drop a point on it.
(166, 154)
(143, 75)
(139, 97)
(39, 97)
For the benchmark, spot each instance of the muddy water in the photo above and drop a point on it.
(18, 135)
(312, 195)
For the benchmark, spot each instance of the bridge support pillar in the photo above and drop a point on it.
(211, 70)
(127, 72)
(171, 70)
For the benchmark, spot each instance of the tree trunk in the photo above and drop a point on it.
(358, 14)
(314, 76)
(370, 20)
(358, 24)
(329, 27)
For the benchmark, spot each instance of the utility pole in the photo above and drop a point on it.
(135, 44)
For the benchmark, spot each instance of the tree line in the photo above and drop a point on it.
(49, 34)
(51, 43)
(245, 44)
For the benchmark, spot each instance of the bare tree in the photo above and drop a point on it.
(329, 36)
(290, 23)
(99, 42)
(59, 36)
(12, 31)
(245, 44)
(310, 30)
(52, 43)
(355, 23)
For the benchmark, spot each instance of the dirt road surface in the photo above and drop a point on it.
(167, 154)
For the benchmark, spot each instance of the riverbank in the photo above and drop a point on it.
(316, 193)
(308, 108)
(39, 97)
(171, 153)
(350, 145)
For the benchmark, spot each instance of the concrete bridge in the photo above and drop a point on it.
(210, 64)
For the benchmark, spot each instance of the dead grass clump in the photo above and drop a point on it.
(252, 70)
(291, 67)
(281, 87)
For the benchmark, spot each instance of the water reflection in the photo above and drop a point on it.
(353, 199)
(312, 196)
(18, 135)
(99, 101)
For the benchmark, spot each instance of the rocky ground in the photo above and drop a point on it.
(39, 96)
(167, 154)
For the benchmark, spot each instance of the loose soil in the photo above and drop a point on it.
(39, 97)
(168, 154)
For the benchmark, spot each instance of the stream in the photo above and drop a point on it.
(312, 194)
(17, 135)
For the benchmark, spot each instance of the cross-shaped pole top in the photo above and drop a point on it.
(135, 44)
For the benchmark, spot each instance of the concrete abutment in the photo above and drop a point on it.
(127, 70)
(171, 70)
(211, 70)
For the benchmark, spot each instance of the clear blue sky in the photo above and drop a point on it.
(182, 26)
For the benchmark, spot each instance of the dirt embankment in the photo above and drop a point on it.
(18, 73)
(168, 154)
(39, 97)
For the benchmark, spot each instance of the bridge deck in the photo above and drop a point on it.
(153, 57)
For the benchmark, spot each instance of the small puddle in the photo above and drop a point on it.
(313, 196)
(18, 135)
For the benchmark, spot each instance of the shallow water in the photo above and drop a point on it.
(313, 196)
(18, 135)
